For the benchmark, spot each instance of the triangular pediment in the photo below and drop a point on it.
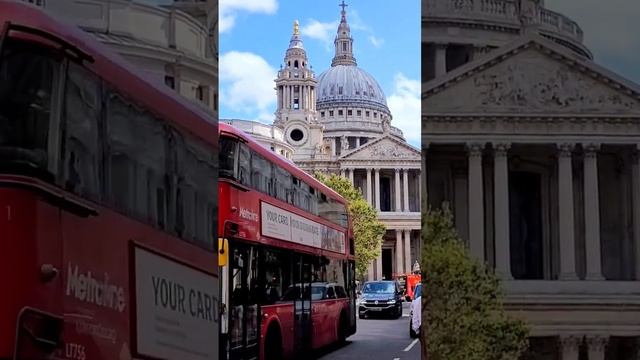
(531, 76)
(383, 148)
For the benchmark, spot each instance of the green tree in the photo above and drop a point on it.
(463, 314)
(367, 230)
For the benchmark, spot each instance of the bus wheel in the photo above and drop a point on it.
(342, 329)
(273, 344)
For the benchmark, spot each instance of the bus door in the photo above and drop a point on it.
(244, 319)
(351, 286)
(302, 304)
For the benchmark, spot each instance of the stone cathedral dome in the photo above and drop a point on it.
(344, 84)
(349, 83)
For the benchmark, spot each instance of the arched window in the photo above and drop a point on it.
(295, 64)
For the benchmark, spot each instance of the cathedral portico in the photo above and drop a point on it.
(534, 149)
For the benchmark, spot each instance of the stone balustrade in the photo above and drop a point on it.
(162, 27)
(363, 125)
(501, 12)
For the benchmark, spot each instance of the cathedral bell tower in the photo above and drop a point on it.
(296, 89)
(343, 42)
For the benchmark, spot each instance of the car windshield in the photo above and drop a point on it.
(418, 291)
(378, 288)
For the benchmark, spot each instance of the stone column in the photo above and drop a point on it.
(501, 210)
(592, 213)
(377, 188)
(597, 346)
(399, 265)
(635, 178)
(284, 96)
(398, 192)
(407, 251)
(333, 146)
(441, 59)
(357, 142)
(370, 272)
(569, 347)
(351, 175)
(343, 173)
(379, 267)
(279, 97)
(565, 210)
(476, 203)
(369, 185)
(406, 189)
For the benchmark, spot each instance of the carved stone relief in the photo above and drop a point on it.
(532, 81)
(389, 151)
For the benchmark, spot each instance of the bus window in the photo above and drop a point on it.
(227, 157)
(28, 81)
(276, 274)
(244, 165)
(82, 173)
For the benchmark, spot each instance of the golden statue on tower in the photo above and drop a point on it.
(296, 27)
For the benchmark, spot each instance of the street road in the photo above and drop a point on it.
(378, 339)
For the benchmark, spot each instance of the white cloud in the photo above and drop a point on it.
(266, 117)
(404, 104)
(246, 83)
(325, 32)
(356, 22)
(229, 9)
(377, 42)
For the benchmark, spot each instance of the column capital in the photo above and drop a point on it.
(397, 170)
(501, 149)
(590, 149)
(570, 342)
(376, 169)
(565, 149)
(475, 149)
(597, 342)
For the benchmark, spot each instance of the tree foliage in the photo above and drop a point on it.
(367, 230)
(463, 315)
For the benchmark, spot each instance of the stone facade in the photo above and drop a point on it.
(339, 123)
(535, 147)
(174, 44)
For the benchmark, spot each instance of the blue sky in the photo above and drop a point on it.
(254, 35)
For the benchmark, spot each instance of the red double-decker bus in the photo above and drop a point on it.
(287, 256)
(108, 200)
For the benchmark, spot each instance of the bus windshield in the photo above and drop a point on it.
(28, 78)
